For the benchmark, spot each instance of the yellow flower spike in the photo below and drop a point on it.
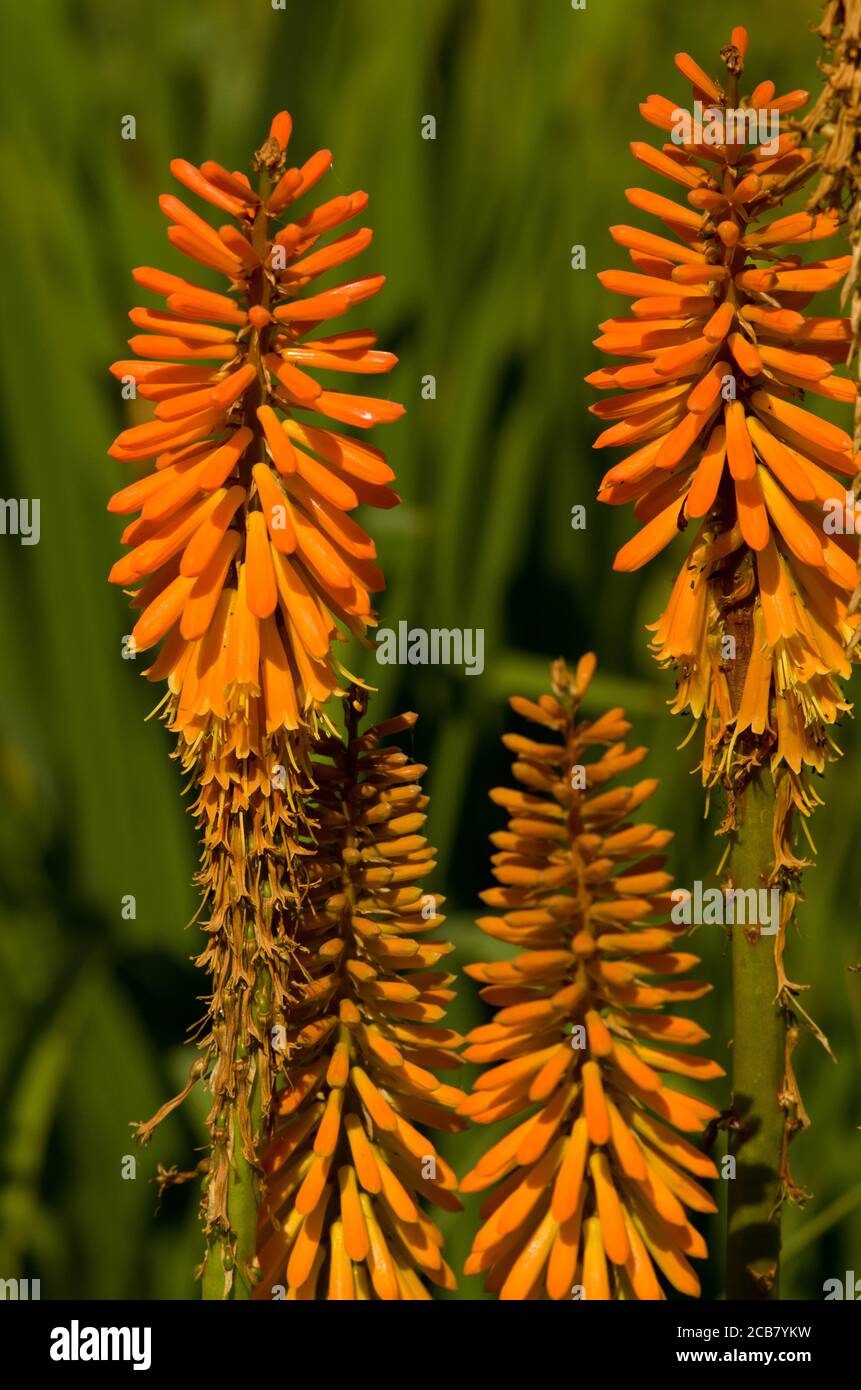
(591, 1187)
(349, 1168)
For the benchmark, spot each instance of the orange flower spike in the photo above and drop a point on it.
(363, 1041)
(746, 456)
(227, 372)
(592, 1180)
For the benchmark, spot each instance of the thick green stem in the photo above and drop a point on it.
(230, 1257)
(758, 1061)
(235, 1252)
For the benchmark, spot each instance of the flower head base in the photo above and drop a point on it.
(721, 359)
(347, 1169)
(244, 557)
(590, 1188)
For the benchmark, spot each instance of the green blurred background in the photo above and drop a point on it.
(535, 104)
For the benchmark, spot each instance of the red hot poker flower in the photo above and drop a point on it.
(244, 557)
(720, 360)
(589, 1188)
